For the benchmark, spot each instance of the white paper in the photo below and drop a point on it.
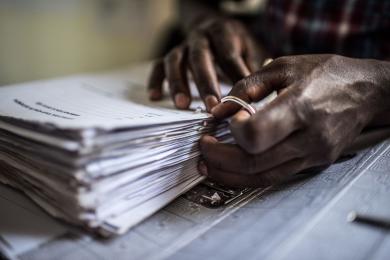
(82, 102)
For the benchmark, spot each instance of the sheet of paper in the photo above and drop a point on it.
(83, 102)
(120, 223)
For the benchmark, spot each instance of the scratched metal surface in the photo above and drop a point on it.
(303, 220)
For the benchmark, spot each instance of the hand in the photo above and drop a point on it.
(224, 42)
(323, 104)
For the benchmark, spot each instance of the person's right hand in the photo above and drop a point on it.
(214, 42)
(324, 103)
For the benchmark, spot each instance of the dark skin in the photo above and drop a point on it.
(324, 103)
(212, 41)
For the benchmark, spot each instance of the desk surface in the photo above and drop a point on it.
(302, 220)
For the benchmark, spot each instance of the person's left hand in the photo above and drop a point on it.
(213, 44)
(323, 104)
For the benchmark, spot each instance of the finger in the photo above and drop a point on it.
(156, 79)
(228, 48)
(255, 87)
(203, 71)
(176, 74)
(231, 157)
(253, 55)
(223, 156)
(269, 126)
(277, 175)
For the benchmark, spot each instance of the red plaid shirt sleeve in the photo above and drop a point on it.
(356, 28)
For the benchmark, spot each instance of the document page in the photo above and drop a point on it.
(87, 102)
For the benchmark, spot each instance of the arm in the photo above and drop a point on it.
(382, 119)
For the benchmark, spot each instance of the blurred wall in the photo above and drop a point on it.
(48, 38)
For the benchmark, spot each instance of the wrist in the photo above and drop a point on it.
(381, 119)
(371, 80)
(382, 79)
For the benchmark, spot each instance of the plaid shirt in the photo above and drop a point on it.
(356, 28)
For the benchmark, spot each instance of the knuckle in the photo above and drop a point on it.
(232, 56)
(285, 65)
(300, 110)
(242, 87)
(173, 56)
(303, 109)
(195, 55)
(282, 61)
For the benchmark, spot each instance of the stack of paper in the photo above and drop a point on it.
(93, 151)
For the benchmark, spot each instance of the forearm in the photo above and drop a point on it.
(382, 119)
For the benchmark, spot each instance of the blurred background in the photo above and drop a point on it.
(49, 38)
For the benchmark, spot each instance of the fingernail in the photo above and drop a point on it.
(211, 101)
(182, 101)
(154, 94)
(202, 168)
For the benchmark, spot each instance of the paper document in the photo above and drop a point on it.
(92, 149)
